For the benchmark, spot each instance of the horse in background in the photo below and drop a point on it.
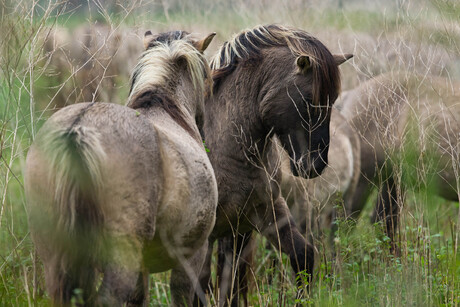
(409, 127)
(269, 80)
(127, 190)
(90, 63)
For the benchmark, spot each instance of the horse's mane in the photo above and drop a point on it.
(155, 73)
(249, 43)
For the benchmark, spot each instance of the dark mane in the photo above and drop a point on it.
(248, 45)
(168, 37)
(153, 80)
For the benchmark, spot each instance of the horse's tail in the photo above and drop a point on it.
(75, 157)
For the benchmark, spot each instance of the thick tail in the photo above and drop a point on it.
(75, 158)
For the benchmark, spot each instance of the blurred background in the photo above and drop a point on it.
(55, 53)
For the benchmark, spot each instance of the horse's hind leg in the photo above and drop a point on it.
(122, 274)
(355, 204)
(387, 210)
(205, 275)
(284, 234)
(184, 279)
(62, 285)
(140, 296)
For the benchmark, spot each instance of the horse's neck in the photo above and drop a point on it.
(187, 100)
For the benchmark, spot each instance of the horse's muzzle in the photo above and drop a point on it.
(311, 165)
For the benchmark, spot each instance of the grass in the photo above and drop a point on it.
(364, 272)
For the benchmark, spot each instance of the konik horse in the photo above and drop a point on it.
(269, 80)
(125, 191)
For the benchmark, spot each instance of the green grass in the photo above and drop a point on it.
(363, 272)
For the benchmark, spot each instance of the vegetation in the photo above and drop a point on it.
(422, 35)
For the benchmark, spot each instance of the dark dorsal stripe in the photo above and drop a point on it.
(154, 97)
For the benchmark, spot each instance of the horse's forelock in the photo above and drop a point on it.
(326, 75)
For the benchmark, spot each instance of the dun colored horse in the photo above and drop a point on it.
(269, 80)
(409, 128)
(125, 191)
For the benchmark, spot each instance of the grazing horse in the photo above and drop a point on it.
(269, 80)
(408, 125)
(127, 190)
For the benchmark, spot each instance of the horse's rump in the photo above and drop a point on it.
(70, 222)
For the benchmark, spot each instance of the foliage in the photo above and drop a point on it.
(362, 270)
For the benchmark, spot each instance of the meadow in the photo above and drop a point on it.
(46, 63)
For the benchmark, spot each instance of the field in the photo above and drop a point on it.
(39, 72)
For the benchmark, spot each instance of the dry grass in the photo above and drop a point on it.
(54, 53)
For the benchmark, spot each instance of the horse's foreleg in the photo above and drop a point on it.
(205, 275)
(230, 249)
(122, 272)
(140, 296)
(283, 233)
(184, 279)
(387, 210)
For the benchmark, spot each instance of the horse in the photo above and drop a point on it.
(269, 80)
(312, 201)
(118, 192)
(408, 125)
(88, 61)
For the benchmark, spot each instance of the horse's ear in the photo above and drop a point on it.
(201, 45)
(303, 62)
(341, 58)
(148, 37)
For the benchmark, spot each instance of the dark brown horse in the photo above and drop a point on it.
(119, 192)
(396, 115)
(311, 201)
(270, 80)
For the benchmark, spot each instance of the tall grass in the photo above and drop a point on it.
(386, 37)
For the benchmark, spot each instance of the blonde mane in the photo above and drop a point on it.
(157, 67)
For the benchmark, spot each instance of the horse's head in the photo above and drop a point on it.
(173, 67)
(290, 80)
(302, 82)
